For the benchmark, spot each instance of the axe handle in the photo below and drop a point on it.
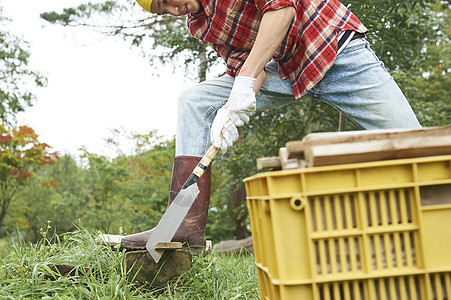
(205, 161)
(201, 166)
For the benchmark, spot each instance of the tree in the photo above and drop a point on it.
(15, 76)
(20, 153)
(163, 39)
(412, 38)
(427, 83)
(129, 192)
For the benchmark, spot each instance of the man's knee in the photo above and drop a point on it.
(187, 97)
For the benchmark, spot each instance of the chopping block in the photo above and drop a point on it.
(141, 267)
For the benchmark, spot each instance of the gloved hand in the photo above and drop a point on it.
(223, 131)
(242, 103)
(240, 106)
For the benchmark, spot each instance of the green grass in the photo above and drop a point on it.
(102, 275)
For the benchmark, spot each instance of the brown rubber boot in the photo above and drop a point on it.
(192, 229)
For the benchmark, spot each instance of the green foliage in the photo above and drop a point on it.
(15, 76)
(23, 271)
(412, 39)
(128, 192)
(83, 11)
(427, 84)
(20, 154)
(101, 273)
(125, 194)
(56, 194)
(396, 28)
(219, 277)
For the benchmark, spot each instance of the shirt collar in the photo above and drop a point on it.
(206, 5)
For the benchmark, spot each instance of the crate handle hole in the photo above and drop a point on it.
(297, 203)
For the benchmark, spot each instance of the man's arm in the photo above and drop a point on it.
(259, 81)
(241, 103)
(273, 28)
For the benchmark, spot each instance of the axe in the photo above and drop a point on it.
(177, 210)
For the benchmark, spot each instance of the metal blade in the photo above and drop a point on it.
(171, 220)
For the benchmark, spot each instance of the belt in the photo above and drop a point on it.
(357, 35)
(344, 37)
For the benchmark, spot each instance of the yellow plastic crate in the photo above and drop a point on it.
(367, 231)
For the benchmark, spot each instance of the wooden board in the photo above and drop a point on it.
(168, 245)
(345, 153)
(110, 239)
(271, 163)
(322, 149)
(296, 149)
(287, 163)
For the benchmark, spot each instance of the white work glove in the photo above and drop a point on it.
(238, 109)
(242, 103)
(223, 131)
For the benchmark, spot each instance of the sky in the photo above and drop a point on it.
(95, 84)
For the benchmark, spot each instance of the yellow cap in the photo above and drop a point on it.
(146, 5)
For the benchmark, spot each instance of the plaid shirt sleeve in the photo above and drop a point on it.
(235, 26)
(234, 59)
(266, 5)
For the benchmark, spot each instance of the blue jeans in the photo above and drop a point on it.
(357, 85)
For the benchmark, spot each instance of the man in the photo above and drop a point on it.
(276, 52)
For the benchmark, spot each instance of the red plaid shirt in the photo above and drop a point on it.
(307, 51)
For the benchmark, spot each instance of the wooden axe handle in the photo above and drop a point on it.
(205, 161)
(201, 166)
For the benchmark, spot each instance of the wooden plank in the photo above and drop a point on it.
(296, 149)
(365, 135)
(272, 163)
(287, 163)
(110, 239)
(168, 245)
(344, 153)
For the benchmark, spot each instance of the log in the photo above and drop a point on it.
(235, 246)
(141, 267)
